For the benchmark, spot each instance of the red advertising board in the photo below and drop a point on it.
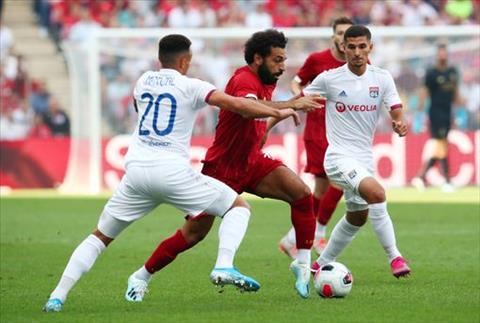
(36, 163)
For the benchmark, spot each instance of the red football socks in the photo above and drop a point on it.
(303, 221)
(328, 204)
(166, 252)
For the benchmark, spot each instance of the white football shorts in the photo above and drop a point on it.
(144, 188)
(347, 173)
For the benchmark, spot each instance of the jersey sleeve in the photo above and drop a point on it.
(391, 99)
(137, 90)
(306, 72)
(245, 87)
(318, 86)
(201, 92)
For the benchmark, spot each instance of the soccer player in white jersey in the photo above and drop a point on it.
(158, 166)
(355, 93)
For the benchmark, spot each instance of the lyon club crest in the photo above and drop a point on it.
(373, 91)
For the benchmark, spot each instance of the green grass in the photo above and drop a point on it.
(441, 241)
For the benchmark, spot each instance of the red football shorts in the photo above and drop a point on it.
(241, 179)
(315, 150)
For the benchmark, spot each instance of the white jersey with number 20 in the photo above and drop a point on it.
(353, 106)
(168, 103)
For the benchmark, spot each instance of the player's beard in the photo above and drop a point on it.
(339, 48)
(265, 76)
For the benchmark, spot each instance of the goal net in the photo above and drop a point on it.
(104, 69)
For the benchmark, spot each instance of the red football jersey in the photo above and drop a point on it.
(315, 64)
(238, 139)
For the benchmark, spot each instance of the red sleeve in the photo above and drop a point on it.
(245, 86)
(209, 95)
(307, 72)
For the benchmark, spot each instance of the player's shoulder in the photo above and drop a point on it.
(319, 56)
(335, 73)
(244, 76)
(452, 69)
(379, 72)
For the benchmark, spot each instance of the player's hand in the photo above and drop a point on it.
(399, 127)
(286, 113)
(308, 103)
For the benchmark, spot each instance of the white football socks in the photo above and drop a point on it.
(383, 227)
(320, 231)
(304, 256)
(230, 234)
(291, 236)
(143, 274)
(342, 234)
(80, 262)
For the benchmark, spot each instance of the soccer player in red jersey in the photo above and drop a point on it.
(325, 196)
(236, 159)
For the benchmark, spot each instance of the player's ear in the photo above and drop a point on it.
(257, 59)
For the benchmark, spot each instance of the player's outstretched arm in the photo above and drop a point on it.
(249, 108)
(398, 122)
(298, 103)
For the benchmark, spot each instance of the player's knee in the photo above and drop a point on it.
(357, 218)
(195, 237)
(106, 240)
(302, 192)
(195, 233)
(240, 202)
(377, 195)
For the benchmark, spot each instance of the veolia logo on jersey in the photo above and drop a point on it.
(341, 107)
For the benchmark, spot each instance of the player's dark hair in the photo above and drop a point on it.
(441, 46)
(357, 31)
(170, 46)
(341, 21)
(261, 43)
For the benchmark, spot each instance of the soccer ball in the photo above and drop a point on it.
(333, 280)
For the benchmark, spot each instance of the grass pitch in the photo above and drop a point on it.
(441, 241)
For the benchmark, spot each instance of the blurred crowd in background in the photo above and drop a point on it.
(28, 109)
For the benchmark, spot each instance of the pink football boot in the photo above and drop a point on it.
(399, 267)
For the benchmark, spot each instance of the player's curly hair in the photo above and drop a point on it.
(261, 43)
(170, 46)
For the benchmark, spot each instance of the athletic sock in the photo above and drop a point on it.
(341, 236)
(143, 274)
(291, 236)
(328, 204)
(166, 252)
(383, 227)
(304, 256)
(444, 166)
(82, 259)
(230, 235)
(303, 221)
(427, 166)
(320, 231)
